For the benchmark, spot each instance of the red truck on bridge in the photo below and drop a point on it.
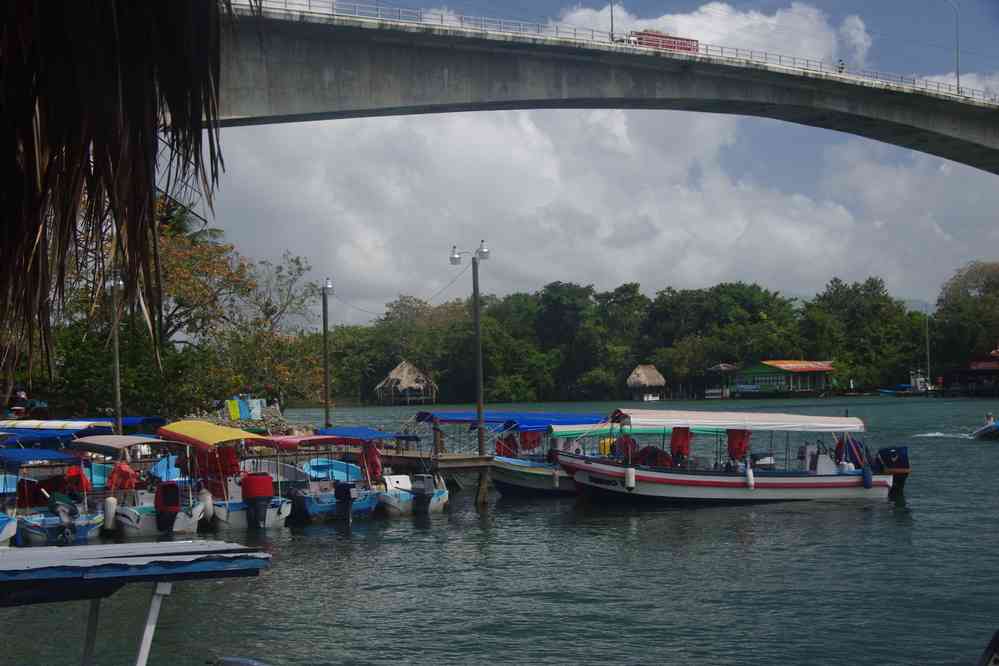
(654, 39)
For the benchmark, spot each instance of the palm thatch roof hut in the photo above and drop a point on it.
(646, 383)
(406, 385)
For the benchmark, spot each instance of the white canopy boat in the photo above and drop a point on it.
(151, 506)
(843, 469)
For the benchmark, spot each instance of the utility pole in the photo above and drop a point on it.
(482, 253)
(327, 290)
(929, 373)
(612, 19)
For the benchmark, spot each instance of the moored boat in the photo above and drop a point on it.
(164, 506)
(240, 500)
(53, 511)
(987, 431)
(846, 471)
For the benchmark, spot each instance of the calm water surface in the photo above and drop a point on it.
(561, 581)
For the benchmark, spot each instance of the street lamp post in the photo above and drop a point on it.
(612, 19)
(957, 42)
(327, 290)
(116, 284)
(480, 254)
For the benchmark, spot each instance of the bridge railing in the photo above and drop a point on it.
(551, 29)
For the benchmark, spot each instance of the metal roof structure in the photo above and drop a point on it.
(801, 366)
(73, 573)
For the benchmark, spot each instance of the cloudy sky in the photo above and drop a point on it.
(605, 197)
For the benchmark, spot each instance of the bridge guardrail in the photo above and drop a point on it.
(559, 30)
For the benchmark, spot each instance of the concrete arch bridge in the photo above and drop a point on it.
(302, 60)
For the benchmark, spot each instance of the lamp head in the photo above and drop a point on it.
(329, 285)
(455, 257)
(483, 252)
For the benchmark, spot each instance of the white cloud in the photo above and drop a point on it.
(855, 40)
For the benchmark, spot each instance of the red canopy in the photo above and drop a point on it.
(293, 442)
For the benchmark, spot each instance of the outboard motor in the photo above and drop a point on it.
(258, 491)
(167, 504)
(894, 461)
(68, 512)
(345, 494)
(423, 492)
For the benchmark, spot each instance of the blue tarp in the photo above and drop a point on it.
(359, 432)
(147, 423)
(41, 437)
(515, 421)
(12, 459)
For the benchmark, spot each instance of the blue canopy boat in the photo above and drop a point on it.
(64, 521)
(334, 488)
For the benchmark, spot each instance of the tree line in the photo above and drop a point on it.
(233, 325)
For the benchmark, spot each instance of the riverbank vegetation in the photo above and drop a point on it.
(234, 325)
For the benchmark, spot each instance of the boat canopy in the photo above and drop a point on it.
(113, 445)
(513, 421)
(606, 429)
(753, 421)
(147, 422)
(36, 424)
(14, 459)
(45, 437)
(206, 435)
(354, 432)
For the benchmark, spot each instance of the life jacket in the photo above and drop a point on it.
(77, 481)
(626, 446)
(507, 446)
(371, 460)
(530, 440)
(122, 477)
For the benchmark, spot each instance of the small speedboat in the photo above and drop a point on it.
(987, 431)
(420, 494)
(64, 527)
(241, 499)
(141, 512)
(335, 492)
(55, 509)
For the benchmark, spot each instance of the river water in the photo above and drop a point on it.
(565, 582)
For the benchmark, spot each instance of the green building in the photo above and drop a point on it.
(784, 377)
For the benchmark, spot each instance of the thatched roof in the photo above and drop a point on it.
(407, 377)
(646, 376)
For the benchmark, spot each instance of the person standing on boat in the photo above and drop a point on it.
(990, 419)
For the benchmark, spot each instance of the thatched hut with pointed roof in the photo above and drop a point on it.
(406, 385)
(646, 383)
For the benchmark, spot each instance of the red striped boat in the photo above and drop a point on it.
(841, 470)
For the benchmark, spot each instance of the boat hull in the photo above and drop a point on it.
(319, 506)
(397, 502)
(232, 515)
(988, 432)
(46, 530)
(140, 521)
(608, 479)
(8, 528)
(524, 478)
